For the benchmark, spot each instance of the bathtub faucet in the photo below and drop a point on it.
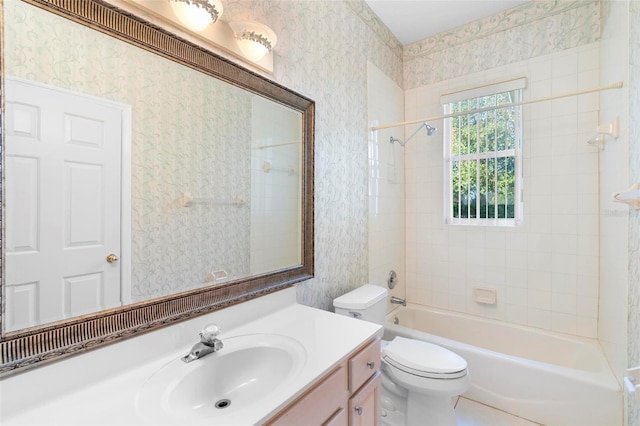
(398, 301)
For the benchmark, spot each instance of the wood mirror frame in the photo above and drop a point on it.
(34, 346)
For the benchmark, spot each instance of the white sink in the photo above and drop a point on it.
(247, 370)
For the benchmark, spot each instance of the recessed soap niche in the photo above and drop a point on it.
(485, 295)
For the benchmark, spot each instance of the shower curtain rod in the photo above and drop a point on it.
(276, 145)
(617, 85)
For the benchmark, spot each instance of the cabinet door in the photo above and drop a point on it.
(339, 418)
(319, 406)
(364, 406)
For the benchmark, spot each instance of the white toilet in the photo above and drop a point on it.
(419, 379)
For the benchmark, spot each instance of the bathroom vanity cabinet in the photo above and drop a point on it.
(333, 377)
(348, 395)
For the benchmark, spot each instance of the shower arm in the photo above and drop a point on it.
(401, 142)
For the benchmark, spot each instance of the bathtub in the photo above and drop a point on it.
(545, 377)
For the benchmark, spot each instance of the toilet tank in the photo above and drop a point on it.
(368, 302)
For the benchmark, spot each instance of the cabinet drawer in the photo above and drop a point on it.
(363, 365)
(321, 404)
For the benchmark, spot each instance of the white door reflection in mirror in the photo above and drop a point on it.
(63, 209)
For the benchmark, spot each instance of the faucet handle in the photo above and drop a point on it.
(209, 333)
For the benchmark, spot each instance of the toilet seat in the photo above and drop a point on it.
(423, 359)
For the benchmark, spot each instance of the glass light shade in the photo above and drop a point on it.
(254, 39)
(196, 14)
(252, 50)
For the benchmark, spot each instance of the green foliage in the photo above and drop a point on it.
(482, 173)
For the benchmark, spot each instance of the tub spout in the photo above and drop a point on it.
(398, 301)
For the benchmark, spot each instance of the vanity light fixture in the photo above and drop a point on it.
(254, 39)
(197, 14)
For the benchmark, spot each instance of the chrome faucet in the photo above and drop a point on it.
(398, 301)
(208, 343)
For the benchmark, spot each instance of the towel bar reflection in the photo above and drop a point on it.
(276, 145)
(267, 167)
(188, 200)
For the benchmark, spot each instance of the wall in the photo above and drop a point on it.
(385, 100)
(545, 271)
(614, 176)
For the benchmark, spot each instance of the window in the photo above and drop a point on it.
(483, 155)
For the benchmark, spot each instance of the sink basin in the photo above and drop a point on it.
(247, 370)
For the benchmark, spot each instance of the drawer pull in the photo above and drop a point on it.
(359, 410)
(371, 364)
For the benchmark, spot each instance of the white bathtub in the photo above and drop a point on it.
(546, 377)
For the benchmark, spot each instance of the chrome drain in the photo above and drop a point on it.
(223, 403)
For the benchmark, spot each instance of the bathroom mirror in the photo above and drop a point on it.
(145, 180)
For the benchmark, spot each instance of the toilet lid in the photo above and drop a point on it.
(424, 359)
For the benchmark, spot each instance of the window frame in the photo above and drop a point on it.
(518, 86)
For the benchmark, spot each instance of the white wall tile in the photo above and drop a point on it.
(538, 299)
(564, 323)
(565, 283)
(539, 318)
(564, 303)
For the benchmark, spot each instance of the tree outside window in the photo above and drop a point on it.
(484, 159)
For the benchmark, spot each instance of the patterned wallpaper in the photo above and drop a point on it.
(633, 350)
(172, 246)
(531, 30)
(634, 172)
(374, 23)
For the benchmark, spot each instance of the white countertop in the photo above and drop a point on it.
(100, 387)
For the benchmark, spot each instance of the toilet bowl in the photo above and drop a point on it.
(424, 367)
(423, 378)
(419, 379)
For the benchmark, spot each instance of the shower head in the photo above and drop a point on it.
(430, 131)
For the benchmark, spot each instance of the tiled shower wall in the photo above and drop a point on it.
(614, 176)
(276, 187)
(545, 271)
(385, 101)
